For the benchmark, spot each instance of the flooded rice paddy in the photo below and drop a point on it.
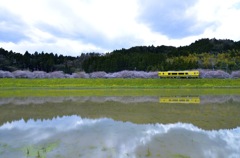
(195, 126)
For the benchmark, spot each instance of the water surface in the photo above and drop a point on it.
(113, 126)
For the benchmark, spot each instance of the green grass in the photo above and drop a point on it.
(116, 87)
(28, 92)
(39, 151)
(119, 83)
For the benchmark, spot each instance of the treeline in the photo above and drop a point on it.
(47, 62)
(202, 54)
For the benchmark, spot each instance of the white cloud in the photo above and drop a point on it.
(61, 46)
(74, 26)
(223, 14)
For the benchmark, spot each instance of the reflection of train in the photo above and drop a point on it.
(182, 100)
(178, 74)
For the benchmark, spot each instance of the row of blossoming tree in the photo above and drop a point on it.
(102, 74)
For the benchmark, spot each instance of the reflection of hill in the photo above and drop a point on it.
(43, 100)
(123, 100)
(200, 100)
(207, 115)
(219, 99)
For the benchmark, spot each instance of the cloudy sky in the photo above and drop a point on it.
(72, 27)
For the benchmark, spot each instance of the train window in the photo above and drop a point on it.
(186, 73)
(174, 73)
(169, 73)
(181, 73)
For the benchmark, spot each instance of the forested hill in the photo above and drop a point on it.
(204, 54)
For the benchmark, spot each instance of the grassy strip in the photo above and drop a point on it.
(119, 83)
(116, 87)
(29, 92)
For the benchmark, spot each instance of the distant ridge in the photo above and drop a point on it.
(223, 54)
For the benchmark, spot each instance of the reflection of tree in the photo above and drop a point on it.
(138, 112)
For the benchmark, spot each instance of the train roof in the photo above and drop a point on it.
(181, 71)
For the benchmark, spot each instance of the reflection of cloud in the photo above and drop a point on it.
(106, 137)
(180, 140)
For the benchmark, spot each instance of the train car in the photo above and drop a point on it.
(178, 74)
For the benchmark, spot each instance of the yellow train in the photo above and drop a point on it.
(178, 74)
(180, 100)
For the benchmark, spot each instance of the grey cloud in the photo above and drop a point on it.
(81, 30)
(89, 35)
(170, 18)
(75, 28)
(11, 36)
(11, 27)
